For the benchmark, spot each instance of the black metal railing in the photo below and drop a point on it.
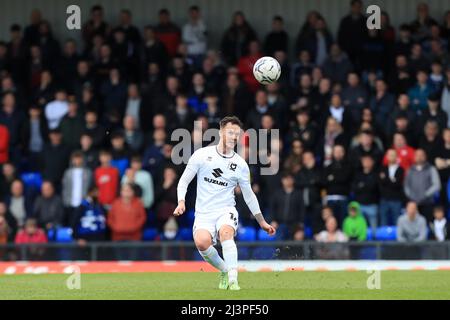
(177, 250)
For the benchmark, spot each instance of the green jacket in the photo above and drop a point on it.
(355, 227)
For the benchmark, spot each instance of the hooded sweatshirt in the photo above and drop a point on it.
(355, 228)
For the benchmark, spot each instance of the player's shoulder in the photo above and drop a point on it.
(202, 152)
(240, 160)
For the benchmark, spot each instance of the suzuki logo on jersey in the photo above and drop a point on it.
(217, 173)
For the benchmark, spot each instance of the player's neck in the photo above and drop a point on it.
(223, 150)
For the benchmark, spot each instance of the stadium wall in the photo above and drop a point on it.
(217, 13)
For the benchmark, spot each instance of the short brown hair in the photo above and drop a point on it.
(231, 119)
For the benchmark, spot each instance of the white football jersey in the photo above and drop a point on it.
(217, 177)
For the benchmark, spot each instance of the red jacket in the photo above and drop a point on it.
(405, 157)
(107, 182)
(4, 144)
(38, 237)
(245, 67)
(126, 220)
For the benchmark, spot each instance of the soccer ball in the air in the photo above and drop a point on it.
(266, 70)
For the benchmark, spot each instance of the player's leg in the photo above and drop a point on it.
(230, 255)
(203, 241)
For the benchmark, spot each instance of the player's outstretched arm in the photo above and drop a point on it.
(264, 225)
(252, 202)
(186, 178)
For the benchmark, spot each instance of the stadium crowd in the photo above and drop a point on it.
(364, 117)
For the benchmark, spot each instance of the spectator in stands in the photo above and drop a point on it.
(308, 182)
(31, 32)
(236, 39)
(439, 227)
(391, 189)
(4, 144)
(422, 183)
(55, 158)
(382, 103)
(57, 109)
(194, 35)
(113, 92)
(337, 66)
(95, 26)
(132, 34)
(366, 147)
(405, 153)
(337, 180)
(365, 189)
(334, 135)
(287, 208)
(12, 117)
(134, 138)
(94, 129)
(106, 179)
(167, 32)
(261, 109)
(72, 125)
(420, 92)
(431, 141)
(31, 233)
(90, 153)
(9, 174)
(48, 207)
(19, 204)
(127, 216)
(9, 228)
(402, 109)
(354, 96)
(75, 184)
(445, 100)
(339, 112)
(277, 38)
(4, 231)
(154, 51)
(411, 226)
(442, 162)
(245, 65)
(303, 65)
(235, 97)
(422, 24)
(352, 31)
(355, 226)
(142, 179)
(332, 233)
(89, 223)
(433, 113)
(166, 197)
(34, 136)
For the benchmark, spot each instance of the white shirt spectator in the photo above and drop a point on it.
(194, 36)
(54, 112)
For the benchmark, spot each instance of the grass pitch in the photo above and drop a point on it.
(255, 286)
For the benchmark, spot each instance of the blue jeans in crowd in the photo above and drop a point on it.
(371, 213)
(390, 211)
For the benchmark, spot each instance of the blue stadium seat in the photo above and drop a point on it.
(263, 253)
(369, 234)
(263, 236)
(121, 165)
(64, 235)
(246, 234)
(150, 234)
(308, 232)
(387, 233)
(244, 253)
(185, 234)
(368, 253)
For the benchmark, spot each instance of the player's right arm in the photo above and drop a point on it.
(189, 173)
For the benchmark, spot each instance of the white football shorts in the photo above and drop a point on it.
(213, 221)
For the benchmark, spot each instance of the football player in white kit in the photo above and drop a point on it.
(219, 170)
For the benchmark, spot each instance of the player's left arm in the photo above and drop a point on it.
(252, 201)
